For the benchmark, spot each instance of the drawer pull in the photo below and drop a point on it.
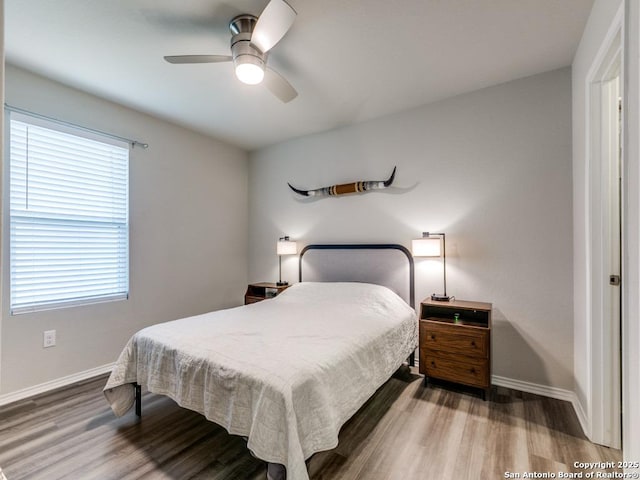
(473, 370)
(473, 343)
(433, 337)
(433, 364)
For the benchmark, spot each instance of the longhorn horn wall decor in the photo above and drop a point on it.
(345, 188)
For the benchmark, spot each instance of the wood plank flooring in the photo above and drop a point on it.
(405, 431)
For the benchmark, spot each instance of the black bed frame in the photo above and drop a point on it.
(355, 246)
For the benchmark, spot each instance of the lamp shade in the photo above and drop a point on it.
(426, 247)
(286, 247)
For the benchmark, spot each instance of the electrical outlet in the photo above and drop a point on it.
(49, 339)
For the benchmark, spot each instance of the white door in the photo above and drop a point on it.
(611, 252)
(604, 246)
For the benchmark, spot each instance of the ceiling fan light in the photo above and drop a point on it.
(249, 73)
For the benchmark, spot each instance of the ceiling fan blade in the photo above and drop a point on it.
(198, 58)
(276, 20)
(279, 86)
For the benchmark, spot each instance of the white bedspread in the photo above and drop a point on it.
(286, 373)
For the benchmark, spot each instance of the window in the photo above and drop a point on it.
(69, 216)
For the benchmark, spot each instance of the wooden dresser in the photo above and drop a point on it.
(455, 342)
(256, 292)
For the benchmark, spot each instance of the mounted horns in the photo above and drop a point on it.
(345, 188)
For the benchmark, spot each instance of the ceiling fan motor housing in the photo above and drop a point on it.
(242, 50)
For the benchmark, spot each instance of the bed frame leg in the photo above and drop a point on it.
(138, 390)
(412, 359)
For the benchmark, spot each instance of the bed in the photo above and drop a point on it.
(288, 372)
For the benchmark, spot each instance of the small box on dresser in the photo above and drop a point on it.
(455, 342)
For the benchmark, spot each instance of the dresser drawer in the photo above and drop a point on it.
(469, 341)
(472, 372)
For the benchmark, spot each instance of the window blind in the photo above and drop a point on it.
(69, 216)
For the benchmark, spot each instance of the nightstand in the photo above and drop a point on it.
(256, 292)
(455, 342)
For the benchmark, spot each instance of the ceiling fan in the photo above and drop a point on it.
(251, 42)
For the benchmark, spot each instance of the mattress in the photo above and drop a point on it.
(285, 373)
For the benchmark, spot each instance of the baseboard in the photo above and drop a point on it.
(582, 417)
(546, 391)
(53, 384)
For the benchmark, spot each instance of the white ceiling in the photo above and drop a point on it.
(349, 60)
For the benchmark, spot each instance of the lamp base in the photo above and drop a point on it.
(281, 283)
(440, 297)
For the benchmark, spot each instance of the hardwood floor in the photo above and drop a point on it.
(405, 431)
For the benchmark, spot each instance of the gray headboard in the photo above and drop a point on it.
(390, 265)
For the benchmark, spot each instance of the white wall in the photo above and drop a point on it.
(490, 168)
(188, 247)
(600, 20)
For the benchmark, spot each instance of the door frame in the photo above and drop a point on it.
(604, 408)
(631, 236)
(2, 154)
